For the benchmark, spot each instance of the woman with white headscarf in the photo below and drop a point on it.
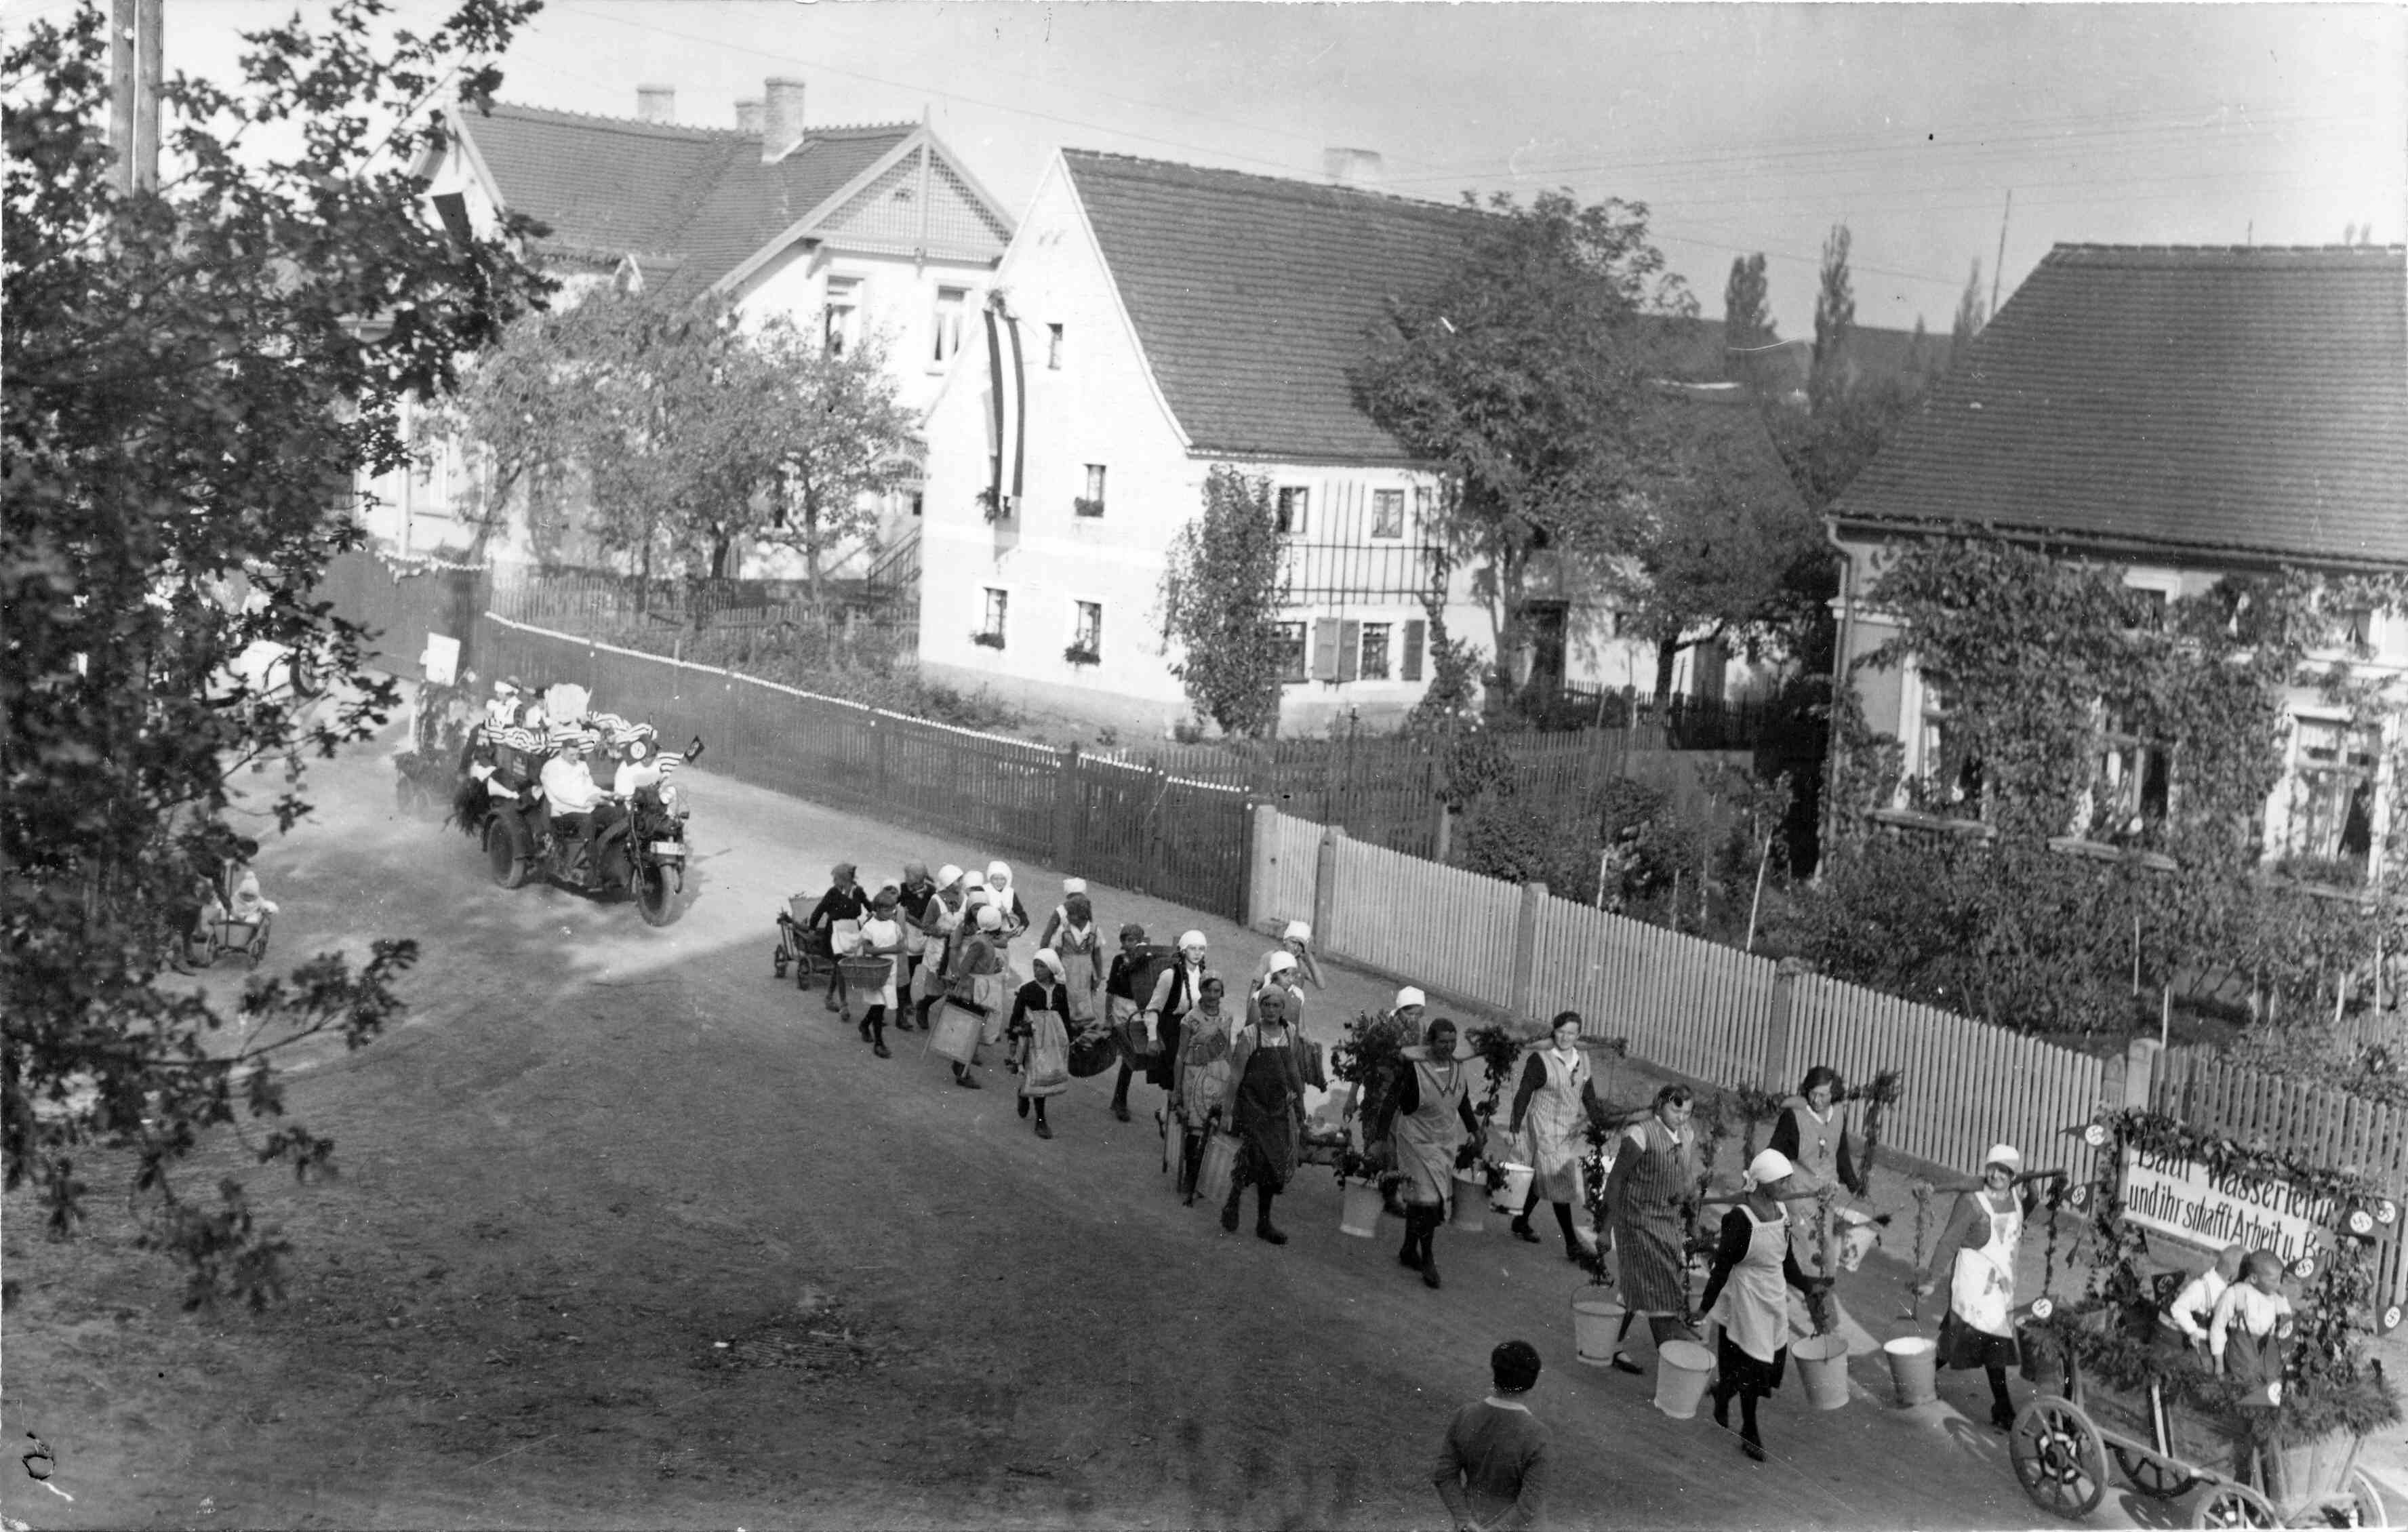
(1175, 993)
(1007, 898)
(1747, 1295)
(1073, 934)
(1278, 971)
(1037, 1027)
(940, 923)
(1977, 1253)
(977, 982)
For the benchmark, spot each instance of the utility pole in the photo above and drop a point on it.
(135, 55)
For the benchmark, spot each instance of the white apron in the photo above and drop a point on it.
(1753, 1305)
(1555, 1129)
(878, 933)
(1982, 1289)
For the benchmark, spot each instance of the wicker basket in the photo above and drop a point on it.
(864, 973)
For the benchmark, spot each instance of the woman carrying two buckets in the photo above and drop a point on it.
(1747, 1300)
(1556, 1102)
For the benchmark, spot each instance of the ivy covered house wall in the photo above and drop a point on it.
(2124, 639)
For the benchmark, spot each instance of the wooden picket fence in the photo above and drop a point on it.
(1965, 1084)
(1686, 1004)
(1408, 916)
(1713, 1015)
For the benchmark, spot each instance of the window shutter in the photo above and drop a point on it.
(1350, 649)
(1412, 665)
(1325, 650)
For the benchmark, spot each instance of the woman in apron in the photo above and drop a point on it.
(2245, 1338)
(838, 913)
(1555, 1105)
(1072, 934)
(1267, 1110)
(1977, 1254)
(1747, 1296)
(940, 923)
(1037, 1027)
(977, 982)
(881, 936)
(1202, 1092)
(1430, 1117)
(1655, 1176)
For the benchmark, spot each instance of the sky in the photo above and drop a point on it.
(1743, 127)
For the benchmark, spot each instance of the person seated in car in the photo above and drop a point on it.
(245, 904)
(577, 802)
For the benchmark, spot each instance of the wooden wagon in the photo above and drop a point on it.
(2063, 1442)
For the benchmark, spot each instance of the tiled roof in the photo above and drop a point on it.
(2243, 400)
(1252, 296)
(699, 197)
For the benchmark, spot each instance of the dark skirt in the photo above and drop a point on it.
(1963, 1346)
(1741, 1372)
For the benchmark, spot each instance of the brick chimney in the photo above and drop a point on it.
(1352, 166)
(782, 119)
(748, 116)
(656, 102)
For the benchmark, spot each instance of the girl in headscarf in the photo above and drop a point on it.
(1267, 1109)
(1037, 1026)
(1174, 995)
(912, 900)
(1430, 1117)
(1072, 934)
(1556, 1103)
(1121, 1006)
(881, 936)
(998, 882)
(1977, 1252)
(978, 982)
(1277, 972)
(940, 923)
(838, 915)
(1202, 1072)
(1747, 1297)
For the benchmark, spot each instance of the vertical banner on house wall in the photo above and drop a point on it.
(1007, 417)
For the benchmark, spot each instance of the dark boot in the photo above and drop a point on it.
(1572, 1250)
(1721, 1398)
(1191, 1163)
(2002, 1406)
(1120, 1093)
(1229, 1208)
(1522, 1229)
(1750, 1440)
(963, 1078)
(1410, 1256)
(1042, 1131)
(1263, 1229)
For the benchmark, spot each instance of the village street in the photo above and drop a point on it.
(594, 1152)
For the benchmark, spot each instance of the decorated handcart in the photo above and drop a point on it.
(2112, 1389)
(812, 954)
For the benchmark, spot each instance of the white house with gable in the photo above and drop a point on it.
(1153, 320)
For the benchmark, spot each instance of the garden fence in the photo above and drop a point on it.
(1697, 1009)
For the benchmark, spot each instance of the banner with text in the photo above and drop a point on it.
(2188, 1201)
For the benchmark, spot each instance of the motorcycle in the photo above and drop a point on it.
(642, 854)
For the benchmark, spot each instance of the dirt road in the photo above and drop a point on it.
(628, 1234)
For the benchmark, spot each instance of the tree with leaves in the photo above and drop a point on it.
(1525, 374)
(689, 431)
(1224, 593)
(1748, 330)
(1835, 315)
(194, 377)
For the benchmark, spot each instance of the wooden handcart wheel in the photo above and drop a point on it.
(2155, 1476)
(2365, 1500)
(2058, 1458)
(2234, 1505)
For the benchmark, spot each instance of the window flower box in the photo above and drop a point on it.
(1088, 506)
(1081, 654)
(990, 640)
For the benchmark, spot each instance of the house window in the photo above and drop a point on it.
(1054, 347)
(2333, 796)
(997, 605)
(2128, 795)
(953, 303)
(1292, 655)
(1375, 646)
(1295, 504)
(1387, 513)
(1952, 773)
(1422, 503)
(1092, 503)
(918, 499)
(841, 327)
(1087, 631)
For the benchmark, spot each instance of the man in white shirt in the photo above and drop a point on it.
(569, 785)
(2195, 1305)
